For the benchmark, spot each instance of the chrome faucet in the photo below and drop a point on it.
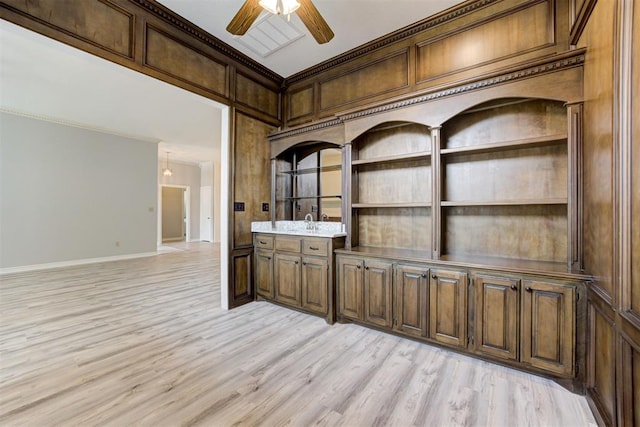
(308, 219)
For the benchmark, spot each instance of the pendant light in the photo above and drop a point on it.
(166, 171)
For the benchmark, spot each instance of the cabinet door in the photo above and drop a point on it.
(350, 275)
(448, 307)
(287, 279)
(548, 326)
(377, 293)
(411, 300)
(315, 286)
(496, 316)
(264, 273)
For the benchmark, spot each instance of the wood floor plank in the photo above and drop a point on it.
(144, 342)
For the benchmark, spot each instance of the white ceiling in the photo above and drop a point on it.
(43, 78)
(354, 22)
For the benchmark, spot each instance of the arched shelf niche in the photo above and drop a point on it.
(307, 179)
(389, 204)
(507, 167)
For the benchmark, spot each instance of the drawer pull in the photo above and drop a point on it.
(296, 262)
(359, 266)
(528, 289)
(433, 276)
(314, 248)
(424, 275)
(262, 242)
(514, 287)
(304, 263)
(367, 267)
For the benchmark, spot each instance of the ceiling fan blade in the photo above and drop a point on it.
(247, 14)
(314, 22)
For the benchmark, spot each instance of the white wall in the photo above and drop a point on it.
(188, 175)
(70, 194)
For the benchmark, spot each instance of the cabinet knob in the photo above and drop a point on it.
(367, 267)
(433, 276)
(359, 267)
(424, 275)
(514, 287)
(304, 263)
(528, 289)
(296, 262)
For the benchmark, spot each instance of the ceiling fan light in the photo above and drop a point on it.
(280, 7)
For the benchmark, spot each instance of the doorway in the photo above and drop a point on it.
(174, 211)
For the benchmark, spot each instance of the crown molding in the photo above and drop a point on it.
(169, 16)
(565, 60)
(569, 59)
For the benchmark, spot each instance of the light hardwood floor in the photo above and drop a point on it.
(144, 342)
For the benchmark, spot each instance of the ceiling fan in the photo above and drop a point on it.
(306, 11)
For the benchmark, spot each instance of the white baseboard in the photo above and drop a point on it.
(46, 266)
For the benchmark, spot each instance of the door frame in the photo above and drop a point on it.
(187, 210)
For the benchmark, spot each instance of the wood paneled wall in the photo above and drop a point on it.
(146, 37)
(610, 31)
(475, 38)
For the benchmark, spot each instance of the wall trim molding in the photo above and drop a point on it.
(566, 60)
(217, 44)
(72, 263)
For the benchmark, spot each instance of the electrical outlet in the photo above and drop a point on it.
(314, 208)
(238, 206)
(265, 207)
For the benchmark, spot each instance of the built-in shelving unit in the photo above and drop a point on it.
(391, 187)
(505, 184)
(491, 184)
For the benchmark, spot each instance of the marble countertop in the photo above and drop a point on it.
(299, 228)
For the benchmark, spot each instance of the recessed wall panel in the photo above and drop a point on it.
(518, 32)
(376, 78)
(170, 56)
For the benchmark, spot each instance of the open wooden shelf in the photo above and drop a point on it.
(500, 146)
(390, 159)
(329, 196)
(550, 201)
(391, 205)
(312, 170)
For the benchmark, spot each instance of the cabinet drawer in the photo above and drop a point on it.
(315, 247)
(288, 244)
(263, 241)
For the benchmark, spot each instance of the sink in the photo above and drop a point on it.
(299, 228)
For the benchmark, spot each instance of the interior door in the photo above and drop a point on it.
(206, 213)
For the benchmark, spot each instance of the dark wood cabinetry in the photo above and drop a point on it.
(287, 278)
(366, 294)
(523, 320)
(448, 307)
(548, 326)
(297, 271)
(264, 273)
(377, 293)
(411, 288)
(496, 319)
(350, 278)
(315, 284)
